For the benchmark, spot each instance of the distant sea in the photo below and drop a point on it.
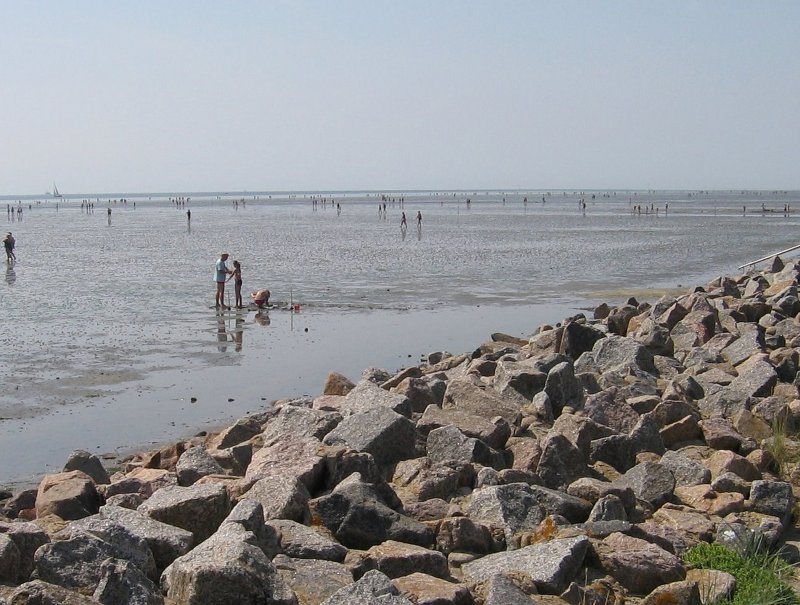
(108, 325)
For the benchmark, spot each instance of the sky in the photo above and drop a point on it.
(272, 95)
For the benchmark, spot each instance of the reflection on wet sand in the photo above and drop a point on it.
(11, 275)
(262, 318)
(222, 334)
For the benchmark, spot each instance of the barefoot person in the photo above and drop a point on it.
(260, 297)
(221, 273)
(237, 283)
(9, 243)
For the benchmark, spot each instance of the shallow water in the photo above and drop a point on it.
(107, 327)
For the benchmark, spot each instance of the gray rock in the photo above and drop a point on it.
(195, 463)
(619, 318)
(396, 559)
(122, 582)
(301, 542)
(226, 569)
(749, 343)
(199, 509)
(83, 461)
(563, 388)
(300, 422)
(655, 337)
(27, 537)
(550, 565)
(636, 564)
(617, 450)
(70, 495)
(580, 430)
(592, 490)
(9, 560)
(385, 434)
(128, 545)
(374, 588)
(281, 497)
(513, 507)
(249, 515)
(578, 338)
(37, 592)
(242, 430)
(757, 377)
(518, 380)
(74, 563)
(686, 471)
(501, 589)
(494, 432)
(312, 580)
(463, 395)
(462, 534)
(608, 508)
(723, 402)
(421, 392)
(555, 502)
(561, 463)
(650, 481)
(367, 395)
(449, 446)
(616, 353)
(610, 408)
(730, 482)
(357, 517)
(289, 456)
(772, 498)
(646, 436)
(166, 542)
(420, 479)
(719, 434)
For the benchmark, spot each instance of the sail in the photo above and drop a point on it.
(55, 191)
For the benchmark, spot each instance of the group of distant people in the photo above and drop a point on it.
(223, 274)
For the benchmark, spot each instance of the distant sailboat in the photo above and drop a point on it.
(55, 191)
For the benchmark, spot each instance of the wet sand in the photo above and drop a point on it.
(118, 412)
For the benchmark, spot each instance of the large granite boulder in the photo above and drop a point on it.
(466, 396)
(89, 464)
(302, 542)
(449, 446)
(199, 509)
(289, 456)
(195, 463)
(166, 542)
(550, 565)
(385, 434)
(226, 569)
(513, 507)
(281, 497)
(563, 388)
(358, 518)
(494, 432)
(123, 582)
(397, 559)
(374, 588)
(70, 495)
(27, 537)
(638, 565)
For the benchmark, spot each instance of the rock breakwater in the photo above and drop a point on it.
(573, 467)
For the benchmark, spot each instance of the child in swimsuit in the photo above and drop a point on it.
(237, 282)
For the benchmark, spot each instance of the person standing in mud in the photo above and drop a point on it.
(221, 273)
(9, 243)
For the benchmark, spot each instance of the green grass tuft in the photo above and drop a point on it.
(758, 574)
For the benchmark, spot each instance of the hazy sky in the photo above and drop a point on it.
(285, 95)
